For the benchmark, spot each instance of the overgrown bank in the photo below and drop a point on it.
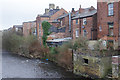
(30, 47)
(63, 55)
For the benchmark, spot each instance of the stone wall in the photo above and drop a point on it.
(115, 66)
(90, 66)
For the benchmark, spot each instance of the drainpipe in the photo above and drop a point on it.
(70, 23)
(40, 32)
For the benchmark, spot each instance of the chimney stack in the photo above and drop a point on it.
(73, 10)
(80, 9)
(80, 6)
(46, 11)
(92, 8)
(51, 6)
(57, 7)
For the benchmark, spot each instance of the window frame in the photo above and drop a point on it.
(110, 9)
(76, 21)
(84, 35)
(84, 21)
(61, 22)
(110, 29)
(76, 33)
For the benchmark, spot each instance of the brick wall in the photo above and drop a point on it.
(75, 27)
(65, 23)
(91, 24)
(27, 27)
(58, 14)
(103, 19)
(39, 20)
(56, 24)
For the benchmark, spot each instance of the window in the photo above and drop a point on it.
(85, 61)
(61, 23)
(84, 21)
(100, 28)
(84, 33)
(39, 25)
(110, 9)
(77, 33)
(16, 29)
(76, 21)
(110, 29)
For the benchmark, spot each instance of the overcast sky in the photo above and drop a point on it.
(14, 12)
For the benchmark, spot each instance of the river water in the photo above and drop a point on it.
(14, 66)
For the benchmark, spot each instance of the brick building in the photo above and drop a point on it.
(29, 28)
(18, 29)
(85, 23)
(51, 16)
(65, 23)
(108, 21)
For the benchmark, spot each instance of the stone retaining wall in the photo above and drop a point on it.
(91, 66)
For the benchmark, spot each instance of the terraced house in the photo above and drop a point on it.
(85, 23)
(108, 22)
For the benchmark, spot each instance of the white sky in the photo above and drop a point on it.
(14, 12)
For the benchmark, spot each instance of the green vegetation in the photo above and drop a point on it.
(16, 43)
(30, 47)
(45, 26)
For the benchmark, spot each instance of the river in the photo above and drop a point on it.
(14, 66)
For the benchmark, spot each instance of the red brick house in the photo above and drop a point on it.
(85, 23)
(51, 16)
(29, 28)
(108, 21)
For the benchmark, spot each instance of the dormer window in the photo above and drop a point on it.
(110, 9)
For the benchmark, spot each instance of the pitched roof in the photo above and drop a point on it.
(50, 13)
(17, 26)
(62, 16)
(86, 13)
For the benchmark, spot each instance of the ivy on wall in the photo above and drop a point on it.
(45, 26)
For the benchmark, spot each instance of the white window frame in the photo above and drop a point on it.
(61, 22)
(110, 9)
(77, 33)
(100, 28)
(84, 21)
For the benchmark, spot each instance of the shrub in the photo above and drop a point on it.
(81, 42)
(16, 43)
(11, 41)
